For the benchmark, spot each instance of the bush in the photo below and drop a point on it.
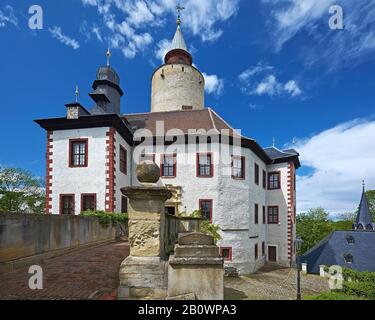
(360, 289)
(358, 276)
(105, 218)
(332, 296)
(211, 229)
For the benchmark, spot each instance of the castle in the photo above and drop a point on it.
(249, 191)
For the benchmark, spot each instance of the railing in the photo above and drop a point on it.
(175, 225)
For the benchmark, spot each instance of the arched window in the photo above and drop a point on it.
(370, 227)
(360, 227)
(350, 239)
(348, 258)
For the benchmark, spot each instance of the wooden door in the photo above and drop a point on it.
(272, 254)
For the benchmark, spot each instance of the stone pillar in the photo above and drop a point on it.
(143, 273)
(304, 268)
(321, 271)
(196, 271)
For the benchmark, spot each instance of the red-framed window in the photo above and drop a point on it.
(78, 153)
(123, 160)
(168, 165)
(67, 204)
(273, 215)
(238, 167)
(263, 249)
(124, 204)
(226, 253)
(88, 202)
(264, 215)
(274, 181)
(256, 214)
(264, 179)
(147, 157)
(206, 208)
(256, 174)
(256, 251)
(205, 165)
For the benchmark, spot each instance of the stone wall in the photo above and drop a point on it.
(26, 237)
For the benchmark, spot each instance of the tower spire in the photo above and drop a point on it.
(108, 57)
(364, 185)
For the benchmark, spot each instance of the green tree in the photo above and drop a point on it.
(21, 192)
(370, 194)
(312, 227)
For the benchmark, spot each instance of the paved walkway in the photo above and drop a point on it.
(90, 274)
(273, 283)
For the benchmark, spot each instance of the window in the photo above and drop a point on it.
(256, 214)
(123, 160)
(350, 239)
(170, 211)
(226, 254)
(205, 167)
(88, 202)
(273, 215)
(273, 180)
(78, 153)
(168, 166)
(146, 157)
(256, 174)
(369, 227)
(263, 249)
(238, 167)
(256, 251)
(185, 108)
(67, 204)
(264, 215)
(348, 258)
(205, 207)
(264, 179)
(124, 204)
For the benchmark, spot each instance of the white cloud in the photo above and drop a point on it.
(334, 48)
(213, 84)
(340, 158)
(269, 83)
(7, 16)
(57, 33)
(130, 19)
(162, 48)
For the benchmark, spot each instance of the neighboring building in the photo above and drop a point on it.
(353, 249)
(250, 192)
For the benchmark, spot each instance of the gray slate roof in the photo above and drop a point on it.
(275, 153)
(332, 251)
(364, 216)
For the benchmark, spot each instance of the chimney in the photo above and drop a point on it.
(75, 110)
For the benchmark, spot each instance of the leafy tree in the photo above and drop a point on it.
(21, 192)
(370, 194)
(312, 227)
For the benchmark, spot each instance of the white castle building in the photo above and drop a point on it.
(250, 192)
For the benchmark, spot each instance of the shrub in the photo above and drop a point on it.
(211, 229)
(360, 289)
(105, 218)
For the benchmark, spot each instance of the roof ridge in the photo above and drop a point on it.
(212, 119)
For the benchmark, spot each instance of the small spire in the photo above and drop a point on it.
(179, 8)
(108, 57)
(364, 185)
(77, 93)
(274, 142)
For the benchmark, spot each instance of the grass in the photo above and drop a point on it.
(333, 296)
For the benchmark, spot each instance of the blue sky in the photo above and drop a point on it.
(273, 68)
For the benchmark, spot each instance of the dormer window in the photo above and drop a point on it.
(350, 239)
(360, 227)
(348, 258)
(369, 227)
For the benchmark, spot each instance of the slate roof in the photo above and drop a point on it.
(278, 155)
(178, 40)
(364, 216)
(333, 249)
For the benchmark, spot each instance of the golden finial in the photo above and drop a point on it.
(108, 57)
(179, 8)
(77, 93)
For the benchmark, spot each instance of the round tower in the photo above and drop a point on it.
(177, 84)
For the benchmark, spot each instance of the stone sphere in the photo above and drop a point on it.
(148, 172)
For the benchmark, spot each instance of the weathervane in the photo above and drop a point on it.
(77, 93)
(108, 57)
(179, 8)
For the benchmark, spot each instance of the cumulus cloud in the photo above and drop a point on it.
(56, 32)
(213, 84)
(269, 83)
(339, 159)
(130, 19)
(162, 48)
(334, 48)
(7, 16)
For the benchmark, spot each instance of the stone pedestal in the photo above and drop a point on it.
(143, 274)
(196, 269)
